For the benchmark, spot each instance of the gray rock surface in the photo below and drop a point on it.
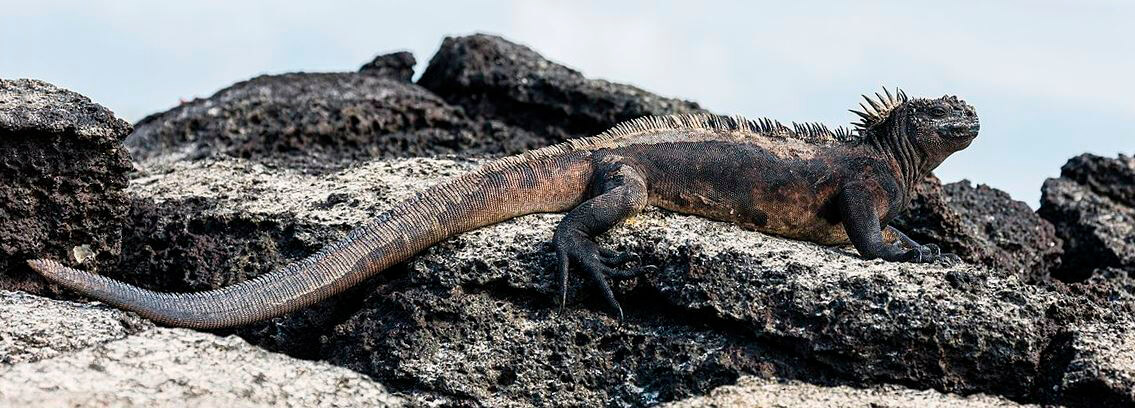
(983, 225)
(472, 320)
(761, 392)
(1097, 366)
(1092, 205)
(145, 366)
(319, 120)
(396, 65)
(62, 172)
(45, 110)
(208, 224)
(493, 78)
(36, 328)
(1111, 177)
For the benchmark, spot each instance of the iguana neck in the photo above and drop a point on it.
(911, 160)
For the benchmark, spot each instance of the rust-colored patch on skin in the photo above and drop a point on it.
(778, 186)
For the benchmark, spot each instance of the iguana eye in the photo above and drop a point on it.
(938, 112)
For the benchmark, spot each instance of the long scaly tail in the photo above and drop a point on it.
(553, 179)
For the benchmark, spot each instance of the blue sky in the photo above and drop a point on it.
(1049, 79)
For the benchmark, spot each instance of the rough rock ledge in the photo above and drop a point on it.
(125, 361)
(471, 321)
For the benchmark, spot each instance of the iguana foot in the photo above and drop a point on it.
(599, 263)
(931, 253)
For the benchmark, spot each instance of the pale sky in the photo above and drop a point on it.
(1049, 79)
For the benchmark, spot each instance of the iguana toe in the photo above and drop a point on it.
(623, 274)
(598, 276)
(949, 259)
(599, 264)
(613, 258)
(931, 253)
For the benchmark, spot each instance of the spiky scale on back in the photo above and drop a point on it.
(881, 108)
(737, 127)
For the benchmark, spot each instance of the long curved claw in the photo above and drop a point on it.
(562, 275)
(624, 274)
(600, 264)
(598, 276)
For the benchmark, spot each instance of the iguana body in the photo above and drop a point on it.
(804, 182)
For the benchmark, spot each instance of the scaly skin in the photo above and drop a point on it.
(805, 183)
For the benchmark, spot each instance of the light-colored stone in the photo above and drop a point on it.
(161, 367)
(249, 188)
(34, 328)
(1102, 357)
(37, 106)
(758, 392)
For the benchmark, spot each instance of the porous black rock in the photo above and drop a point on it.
(983, 225)
(396, 65)
(270, 170)
(62, 175)
(1092, 205)
(491, 77)
(319, 121)
(474, 320)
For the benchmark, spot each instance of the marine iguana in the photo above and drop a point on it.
(804, 182)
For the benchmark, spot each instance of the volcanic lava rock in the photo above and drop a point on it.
(398, 65)
(1092, 205)
(475, 320)
(1092, 365)
(37, 328)
(761, 392)
(55, 353)
(982, 225)
(1113, 178)
(62, 175)
(319, 120)
(493, 78)
(269, 170)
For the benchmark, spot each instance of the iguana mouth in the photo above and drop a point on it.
(959, 130)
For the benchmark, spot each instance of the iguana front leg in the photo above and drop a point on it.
(861, 222)
(620, 194)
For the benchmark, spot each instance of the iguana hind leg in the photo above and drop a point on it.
(619, 193)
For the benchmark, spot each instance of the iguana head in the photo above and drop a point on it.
(943, 125)
(920, 132)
